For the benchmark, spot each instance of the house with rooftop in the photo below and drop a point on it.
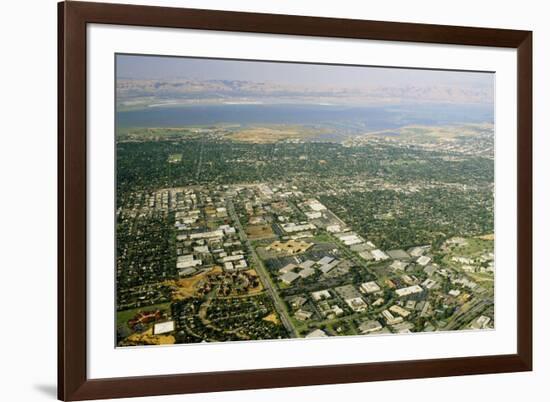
(400, 311)
(357, 304)
(398, 254)
(398, 265)
(287, 268)
(417, 251)
(368, 327)
(369, 287)
(423, 260)
(379, 255)
(289, 277)
(390, 318)
(306, 272)
(318, 333)
(321, 295)
(303, 315)
(410, 290)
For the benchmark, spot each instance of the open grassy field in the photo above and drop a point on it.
(487, 237)
(258, 232)
(122, 317)
(433, 133)
(271, 134)
(475, 247)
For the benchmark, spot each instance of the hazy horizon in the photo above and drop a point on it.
(145, 67)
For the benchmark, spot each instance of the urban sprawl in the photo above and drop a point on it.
(221, 238)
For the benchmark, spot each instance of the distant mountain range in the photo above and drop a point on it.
(139, 92)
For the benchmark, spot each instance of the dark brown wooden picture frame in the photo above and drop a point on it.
(73, 17)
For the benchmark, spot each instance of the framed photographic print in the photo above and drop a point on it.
(253, 200)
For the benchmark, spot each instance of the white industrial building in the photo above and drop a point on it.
(409, 290)
(370, 287)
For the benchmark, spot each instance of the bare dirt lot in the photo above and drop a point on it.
(272, 318)
(187, 287)
(147, 338)
(258, 232)
(272, 134)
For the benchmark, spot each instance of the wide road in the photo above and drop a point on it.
(262, 273)
(468, 312)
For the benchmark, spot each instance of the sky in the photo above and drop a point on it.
(317, 75)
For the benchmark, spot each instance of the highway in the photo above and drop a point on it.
(468, 312)
(262, 273)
